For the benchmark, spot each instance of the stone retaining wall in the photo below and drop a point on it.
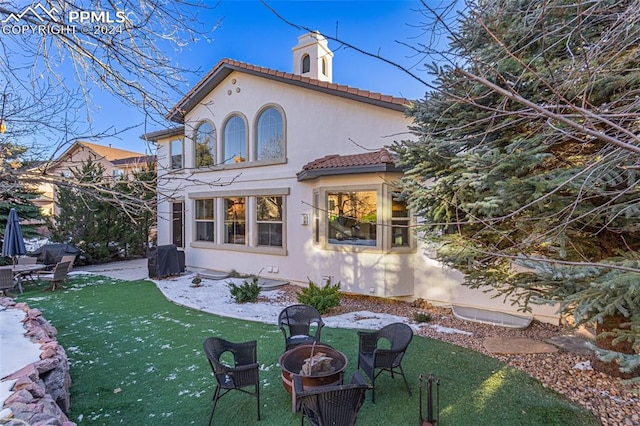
(41, 391)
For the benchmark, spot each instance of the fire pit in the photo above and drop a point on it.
(322, 364)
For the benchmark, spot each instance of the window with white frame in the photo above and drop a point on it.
(176, 154)
(204, 218)
(352, 217)
(269, 218)
(235, 140)
(270, 135)
(117, 173)
(235, 220)
(205, 144)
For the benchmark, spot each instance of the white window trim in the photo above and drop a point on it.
(253, 154)
(213, 152)
(222, 155)
(256, 222)
(171, 154)
(194, 234)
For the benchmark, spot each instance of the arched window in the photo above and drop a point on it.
(270, 140)
(324, 66)
(205, 144)
(306, 64)
(235, 140)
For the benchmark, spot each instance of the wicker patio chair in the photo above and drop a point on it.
(331, 405)
(243, 373)
(57, 276)
(374, 355)
(300, 324)
(7, 282)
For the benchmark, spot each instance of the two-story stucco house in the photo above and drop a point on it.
(285, 175)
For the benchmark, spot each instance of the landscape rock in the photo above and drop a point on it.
(41, 390)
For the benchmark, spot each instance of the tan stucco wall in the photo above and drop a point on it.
(317, 124)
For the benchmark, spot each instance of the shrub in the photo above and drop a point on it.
(235, 274)
(322, 298)
(421, 304)
(245, 292)
(422, 317)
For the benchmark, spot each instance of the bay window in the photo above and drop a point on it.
(362, 218)
(352, 217)
(400, 222)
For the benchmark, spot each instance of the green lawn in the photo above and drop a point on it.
(137, 359)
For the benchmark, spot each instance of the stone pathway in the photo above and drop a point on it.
(517, 345)
(521, 345)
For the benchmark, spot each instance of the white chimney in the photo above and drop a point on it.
(312, 57)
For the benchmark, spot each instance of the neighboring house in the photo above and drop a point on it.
(285, 175)
(116, 163)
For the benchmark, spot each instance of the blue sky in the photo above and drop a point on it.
(251, 33)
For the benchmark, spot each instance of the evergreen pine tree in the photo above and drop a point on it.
(526, 162)
(141, 220)
(15, 194)
(86, 220)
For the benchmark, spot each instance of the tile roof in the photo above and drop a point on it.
(370, 162)
(139, 159)
(107, 152)
(226, 66)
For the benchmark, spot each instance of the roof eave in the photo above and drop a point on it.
(161, 134)
(351, 170)
(178, 112)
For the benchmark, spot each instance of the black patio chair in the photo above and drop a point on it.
(331, 405)
(383, 350)
(242, 374)
(300, 324)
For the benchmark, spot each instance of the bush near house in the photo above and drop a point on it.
(322, 298)
(247, 292)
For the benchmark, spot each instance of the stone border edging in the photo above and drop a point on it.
(41, 391)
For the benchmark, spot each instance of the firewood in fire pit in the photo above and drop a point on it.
(318, 363)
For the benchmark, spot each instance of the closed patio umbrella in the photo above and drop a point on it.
(13, 244)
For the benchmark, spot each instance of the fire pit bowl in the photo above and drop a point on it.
(292, 361)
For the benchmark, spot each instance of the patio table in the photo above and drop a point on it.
(19, 271)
